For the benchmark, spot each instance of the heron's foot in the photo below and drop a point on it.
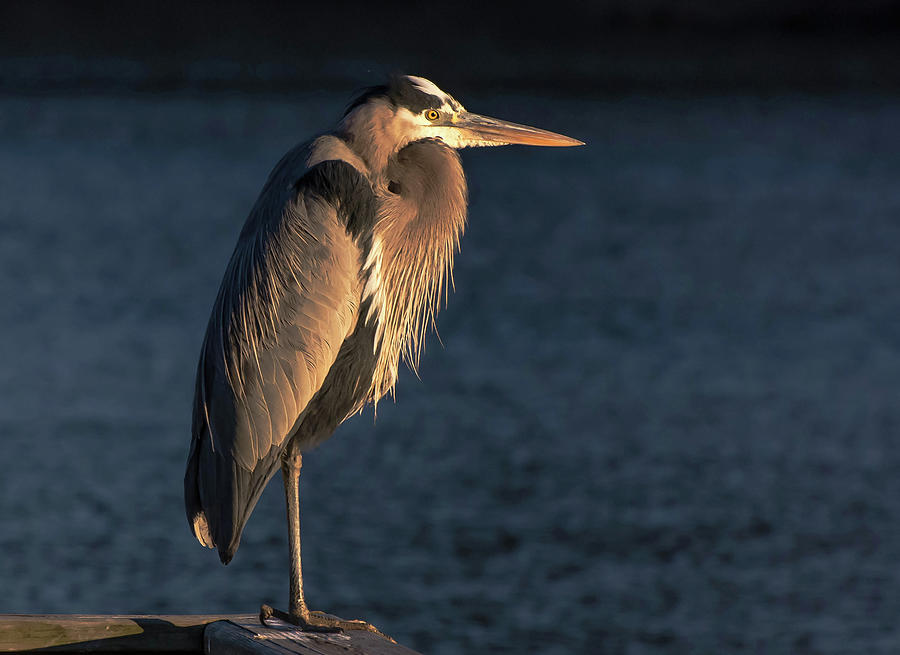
(313, 621)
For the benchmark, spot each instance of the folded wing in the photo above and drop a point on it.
(288, 300)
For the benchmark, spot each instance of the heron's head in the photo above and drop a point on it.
(411, 108)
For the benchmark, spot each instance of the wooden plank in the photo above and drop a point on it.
(72, 633)
(227, 638)
(241, 636)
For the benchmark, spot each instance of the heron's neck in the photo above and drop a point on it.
(420, 218)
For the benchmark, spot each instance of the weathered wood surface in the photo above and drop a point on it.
(247, 637)
(72, 633)
(179, 635)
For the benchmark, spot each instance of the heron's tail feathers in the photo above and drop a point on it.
(192, 503)
(201, 529)
(219, 495)
(203, 524)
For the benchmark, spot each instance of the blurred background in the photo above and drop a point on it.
(664, 414)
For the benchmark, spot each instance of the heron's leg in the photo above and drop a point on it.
(290, 471)
(298, 613)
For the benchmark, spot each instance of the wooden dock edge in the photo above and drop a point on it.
(178, 634)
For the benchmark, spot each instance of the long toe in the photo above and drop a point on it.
(326, 622)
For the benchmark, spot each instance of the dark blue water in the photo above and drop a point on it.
(664, 417)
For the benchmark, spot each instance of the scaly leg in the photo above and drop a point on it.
(299, 614)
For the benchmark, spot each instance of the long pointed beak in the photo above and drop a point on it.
(484, 130)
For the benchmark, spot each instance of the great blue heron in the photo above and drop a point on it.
(337, 273)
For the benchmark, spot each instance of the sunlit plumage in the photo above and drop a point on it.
(338, 273)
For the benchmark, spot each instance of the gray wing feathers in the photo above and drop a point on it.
(288, 299)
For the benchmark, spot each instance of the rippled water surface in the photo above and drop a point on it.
(664, 417)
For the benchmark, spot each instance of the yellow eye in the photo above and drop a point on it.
(432, 115)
